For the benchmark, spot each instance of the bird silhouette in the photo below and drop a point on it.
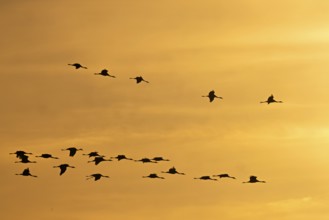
(205, 178)
(139, 79)
(63, 168)
(96, 176)
(73, 150)
(159, 159)
(20, 153)
(145, 160)
(153, 176)
(25, 159)
(224, 175)
(105, 72)
(270, 100)
(253, 179)
(47, 156)
(173, 171)
(93, 154)
(121, 157)
(212, 96)
(99, 159)
(26, 172)
(77, 66)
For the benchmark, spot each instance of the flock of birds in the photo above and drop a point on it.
(211, 95)
(97, 158)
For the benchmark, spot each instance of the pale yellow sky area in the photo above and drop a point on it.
(245, 50)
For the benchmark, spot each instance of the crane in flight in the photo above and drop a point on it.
(26, 172)
(73, 150)
(139, 79)
(96, 176)
(205, 178)
(77, 66)
(253, 179)
(93, 154)
(99, 159)
(20, 153)
(270, 100)
(153, 176)
(47, 156)
(145, 160)
(173, 171)
(25, 159)
(224, 175)
(211, 95)
(105, 72)
(159, 159)
(121, 157)
(63, 168)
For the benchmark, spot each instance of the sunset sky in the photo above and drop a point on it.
(245, 50)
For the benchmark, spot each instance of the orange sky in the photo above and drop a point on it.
(245, 50)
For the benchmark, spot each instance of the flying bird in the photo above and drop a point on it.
(139, 79)
(20, 153)
(159, 159)
(73, 150)
(26, 172)
(63, 168)
(253, 179)
(93, 154)
(47, 156)
(145, 160)
(173, 171)
(121, 157)
(96, 176)
(270, 100)
(212, 96)
(25, 159)
(225, 175)
(99, 159)
(205, 178)
(105, 72)
(77, 66)
(153, 176)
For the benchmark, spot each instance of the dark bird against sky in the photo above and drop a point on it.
(253, 179)
(99, 159)
(96, 176)
(77, 66)
(63, 168)
(139, 79)
(224, 175)
(173, 171)
(25, 159)
(270, 100)
(47, 156)
(145, 160)
(205, 178)
(20, 153)
(73, 150)
(121, 157)
(153, 176)
(105, 72)
(212, 96)
(159, 159)
(26, 172)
